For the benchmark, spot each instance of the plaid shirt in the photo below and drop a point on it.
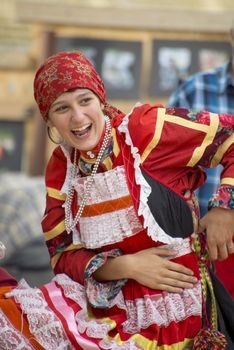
(213, 91)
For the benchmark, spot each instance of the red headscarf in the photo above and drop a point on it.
(62, 72)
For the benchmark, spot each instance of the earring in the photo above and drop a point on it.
(50, 135)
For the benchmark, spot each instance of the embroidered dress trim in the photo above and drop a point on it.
(109, 225)
(153, 228)
(159, 309)
(10, 337)
(43, 323)
(162, 309)
(101, 295)
(223, 198)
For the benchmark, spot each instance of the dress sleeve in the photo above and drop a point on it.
(175, 143)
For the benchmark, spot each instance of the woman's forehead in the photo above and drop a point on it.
(75, 92)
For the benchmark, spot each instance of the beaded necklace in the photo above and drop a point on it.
(71, 223)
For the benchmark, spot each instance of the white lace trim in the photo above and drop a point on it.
(107, 186)
(65, 188)
(77, 293)
(43, 323)
(109, 228)
(10, 337)
(113, 345)
(66, 150)
(154, 230)
(162, 310)
(100, 230)
(72, 289)
(181, 247)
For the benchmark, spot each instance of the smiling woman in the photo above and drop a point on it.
(122, 222)
(79, 118)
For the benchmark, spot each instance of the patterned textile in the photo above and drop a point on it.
(22, 201)
(65, 71)
(212, 91)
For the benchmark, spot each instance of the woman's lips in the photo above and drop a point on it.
(82, 131)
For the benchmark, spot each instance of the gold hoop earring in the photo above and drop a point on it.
(49, 132)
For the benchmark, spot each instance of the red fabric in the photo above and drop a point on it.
(225, 272)
(167, 162)
(73, 264)
(6, 279)
(62, 72)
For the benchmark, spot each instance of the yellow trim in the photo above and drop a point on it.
(55, 231)
(227, 181)
(187, 123)
(199, 151)
(116, 149)
(140, 340)
(108, 163)
(52, 192)
(157, 133)
(54, 259)
(147, 344)
(221, 150)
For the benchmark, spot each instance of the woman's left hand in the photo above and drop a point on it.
(219, 226)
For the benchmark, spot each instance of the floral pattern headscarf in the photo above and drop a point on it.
(62, 72)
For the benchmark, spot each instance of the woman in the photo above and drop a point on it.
(121, 221)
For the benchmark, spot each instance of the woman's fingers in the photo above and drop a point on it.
(219, 226)
(176, 284)
(170, 265)
(180, 279)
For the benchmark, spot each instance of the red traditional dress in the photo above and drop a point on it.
(142, 197)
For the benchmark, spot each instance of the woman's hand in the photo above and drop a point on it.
(219, 226)
(152, 269)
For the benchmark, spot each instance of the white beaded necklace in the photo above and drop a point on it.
(71, 223)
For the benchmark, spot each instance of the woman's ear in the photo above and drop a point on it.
(102, 106)
(49, 123)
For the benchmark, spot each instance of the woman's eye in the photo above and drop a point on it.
(61, 109)
(85, 101)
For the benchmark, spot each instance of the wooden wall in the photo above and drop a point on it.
(25, 22)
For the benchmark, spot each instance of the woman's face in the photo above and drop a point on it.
(78, 117)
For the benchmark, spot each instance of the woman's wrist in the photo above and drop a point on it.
(115, 268)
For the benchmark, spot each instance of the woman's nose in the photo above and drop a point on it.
(77, 113)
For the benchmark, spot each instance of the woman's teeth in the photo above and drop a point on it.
(81, 131)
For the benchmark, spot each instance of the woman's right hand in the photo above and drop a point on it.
(151, 268)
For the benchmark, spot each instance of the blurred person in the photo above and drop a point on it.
(211, 90)
(129, 253)
(22, 201)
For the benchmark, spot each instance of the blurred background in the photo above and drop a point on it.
(142, 49)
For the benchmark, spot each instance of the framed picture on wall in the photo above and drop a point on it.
(175, 60)
(11, 145)
(118, 63)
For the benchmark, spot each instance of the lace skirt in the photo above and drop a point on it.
(58, 316)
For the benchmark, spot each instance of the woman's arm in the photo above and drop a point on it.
(150, 268)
